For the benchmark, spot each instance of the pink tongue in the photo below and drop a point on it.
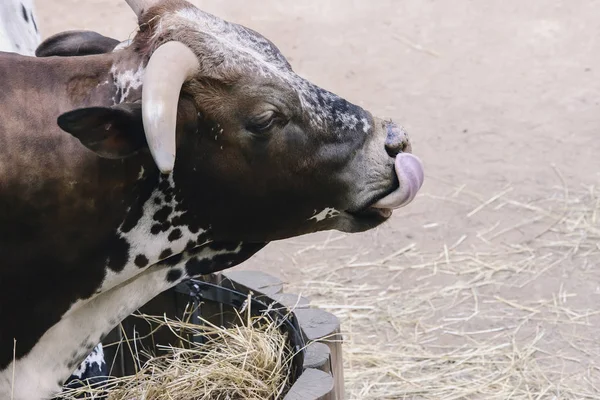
(409, 171)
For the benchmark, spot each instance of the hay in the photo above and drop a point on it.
(249, 361)
(510, 312)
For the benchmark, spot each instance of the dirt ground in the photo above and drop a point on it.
(488, 285)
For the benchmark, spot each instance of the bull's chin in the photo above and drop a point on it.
(363, 220)
(373, 213)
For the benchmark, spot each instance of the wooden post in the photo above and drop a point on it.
(319, 325)
(318, 356)
(312, 385)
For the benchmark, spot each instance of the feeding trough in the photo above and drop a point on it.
(220, 300)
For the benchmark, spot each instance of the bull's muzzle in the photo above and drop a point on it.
(408, 168)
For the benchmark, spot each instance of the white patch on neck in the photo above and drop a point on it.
(143, 242)
(125, 81)
(324, 214)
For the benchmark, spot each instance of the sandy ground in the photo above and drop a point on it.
(497, 260)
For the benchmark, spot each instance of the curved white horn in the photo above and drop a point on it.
(169, 67)
(139, 6)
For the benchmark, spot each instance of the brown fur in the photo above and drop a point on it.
(75, 204)
(79, 88)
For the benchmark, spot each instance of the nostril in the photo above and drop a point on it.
(393, 149)
(396, 141)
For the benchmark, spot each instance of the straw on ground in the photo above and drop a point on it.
(509, 313)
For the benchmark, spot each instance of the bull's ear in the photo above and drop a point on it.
(111, 132)
(76, 43)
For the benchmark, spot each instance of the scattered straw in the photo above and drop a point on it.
(249, 361)
(507, 311)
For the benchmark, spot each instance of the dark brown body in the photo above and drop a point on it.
(90, 229)
(59, 203)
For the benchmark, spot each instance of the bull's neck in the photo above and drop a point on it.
(123, 208)
(121, 81)
(67, 83)
(56, 195)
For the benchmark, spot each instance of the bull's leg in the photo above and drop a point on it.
(39, 374)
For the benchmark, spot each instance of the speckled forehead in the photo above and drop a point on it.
(235, 41)
(244, 48)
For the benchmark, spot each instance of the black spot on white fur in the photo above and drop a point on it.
(165, 254)
(24, 11)
(119, 254)
(162, 214)
(141, 261)
(175, 235)
(174, 275)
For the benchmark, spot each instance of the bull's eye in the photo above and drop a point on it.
(263, 122)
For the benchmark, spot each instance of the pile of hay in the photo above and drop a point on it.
(249, 361)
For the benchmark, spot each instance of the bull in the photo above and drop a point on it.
(129, 168)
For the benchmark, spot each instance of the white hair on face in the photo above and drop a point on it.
(238, 48)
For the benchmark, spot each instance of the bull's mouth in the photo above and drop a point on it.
(371, 213)
(410, 175)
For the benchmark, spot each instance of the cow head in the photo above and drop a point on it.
(255, 151)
